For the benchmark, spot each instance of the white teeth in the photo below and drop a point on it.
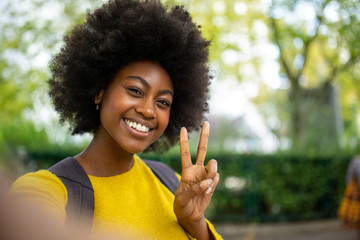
(137, 126)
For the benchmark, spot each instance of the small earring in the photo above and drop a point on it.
(97, 107)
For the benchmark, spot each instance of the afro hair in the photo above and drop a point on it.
(117, 34)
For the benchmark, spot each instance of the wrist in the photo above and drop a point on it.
(197, 229)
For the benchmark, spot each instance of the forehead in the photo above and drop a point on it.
(153, 73)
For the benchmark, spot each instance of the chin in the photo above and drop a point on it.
(135, 149)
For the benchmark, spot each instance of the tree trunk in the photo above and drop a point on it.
(316, 122)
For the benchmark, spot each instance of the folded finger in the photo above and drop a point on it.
(194, 190)
(215, 182)
(211, 168)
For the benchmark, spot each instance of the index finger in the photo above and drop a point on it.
(184, 149)
(202, 147)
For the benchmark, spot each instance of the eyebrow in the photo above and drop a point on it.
(146, 84)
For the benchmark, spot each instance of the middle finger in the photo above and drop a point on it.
(202, 147)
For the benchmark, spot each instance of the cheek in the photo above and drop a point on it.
(110, 113)
(116, 103)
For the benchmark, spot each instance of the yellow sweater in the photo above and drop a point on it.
(135, 202)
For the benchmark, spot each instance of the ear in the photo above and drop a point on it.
(99, 96)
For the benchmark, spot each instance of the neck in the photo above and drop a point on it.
(104, 158)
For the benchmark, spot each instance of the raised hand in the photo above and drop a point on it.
(197, 185)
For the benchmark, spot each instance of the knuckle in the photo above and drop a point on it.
(202, 148)
(185, 153)
(213, 161)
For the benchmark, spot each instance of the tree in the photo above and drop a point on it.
(30, 32)
(314, 42)
(316, 50)
(249, 38)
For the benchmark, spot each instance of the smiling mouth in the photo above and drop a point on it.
(137, 126)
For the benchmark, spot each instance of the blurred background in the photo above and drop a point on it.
(284, 106)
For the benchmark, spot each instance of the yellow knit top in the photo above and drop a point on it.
(134, 203)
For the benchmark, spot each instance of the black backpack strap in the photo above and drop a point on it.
(79, 189)
(166, 175)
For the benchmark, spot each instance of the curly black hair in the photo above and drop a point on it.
(122, 32)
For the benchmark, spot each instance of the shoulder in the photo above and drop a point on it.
(164, 173)
(42, 186)
(40, 179)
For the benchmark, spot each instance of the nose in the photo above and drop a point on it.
(146, 109)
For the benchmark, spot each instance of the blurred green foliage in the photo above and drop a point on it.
(281, 187)
(310, 51)
(30, 32)
(262, 188)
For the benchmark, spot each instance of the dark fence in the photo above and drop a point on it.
(265, 188)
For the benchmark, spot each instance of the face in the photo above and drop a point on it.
(135, 107)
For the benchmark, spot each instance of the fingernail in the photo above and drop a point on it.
(209, 190)
(210, 181)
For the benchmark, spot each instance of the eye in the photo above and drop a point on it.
(164, 103)
(135, 91)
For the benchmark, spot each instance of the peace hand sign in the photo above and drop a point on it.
(197, 184)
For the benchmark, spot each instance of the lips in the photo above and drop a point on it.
(137, 126)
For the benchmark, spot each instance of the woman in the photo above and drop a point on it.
(134, 74)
